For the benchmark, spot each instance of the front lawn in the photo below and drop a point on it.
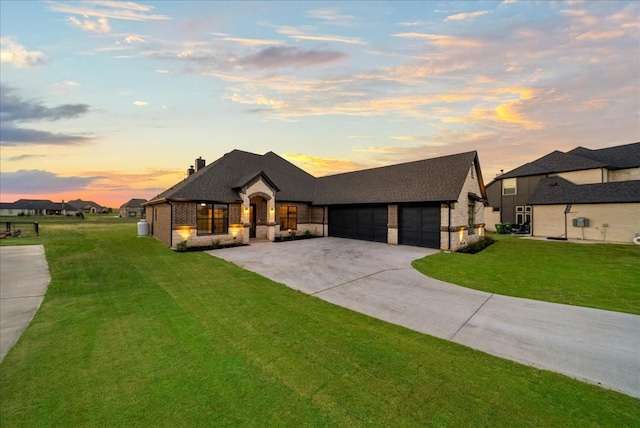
(133, 334)
(604, 276)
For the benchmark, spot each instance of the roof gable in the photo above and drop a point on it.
(252, 178)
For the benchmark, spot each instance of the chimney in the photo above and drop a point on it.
(199, 163)
(190, 170)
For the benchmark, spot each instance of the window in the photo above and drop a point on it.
(523, 214)
(509, 186)
(519, 215)
(213, 218)
(288, 217)
(472, 215)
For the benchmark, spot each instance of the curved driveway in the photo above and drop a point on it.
(24, 277)
(597, 346)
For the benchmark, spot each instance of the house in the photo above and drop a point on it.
(598, 189)
(133, 208)
(88, 207)
(436, 203)
(25, 207)
(29, 207)
(61, 208)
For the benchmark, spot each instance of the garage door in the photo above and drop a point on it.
(368, 223)
(420, 226)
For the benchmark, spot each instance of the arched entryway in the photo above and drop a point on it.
(258, 217)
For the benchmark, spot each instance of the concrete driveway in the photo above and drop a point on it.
(24, 277)
(597, 346)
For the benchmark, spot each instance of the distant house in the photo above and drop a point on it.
(25, 207)
(36, 207)
(88, 207)
(598, 189)
(133, 208)
(61, 208)
(435, 203)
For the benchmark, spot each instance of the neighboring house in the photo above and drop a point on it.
(62, 208)
(133, 208)
(601, 186)
(436, 203)
(25, 207)
(88, 207)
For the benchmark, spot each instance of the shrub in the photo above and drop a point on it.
(476, 247)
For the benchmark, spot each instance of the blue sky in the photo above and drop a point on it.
(113, 100)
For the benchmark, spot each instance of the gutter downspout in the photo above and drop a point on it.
(170, 225)
(449, 227)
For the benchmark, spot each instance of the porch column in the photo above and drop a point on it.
(271, 219)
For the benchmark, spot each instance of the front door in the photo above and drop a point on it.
(252, 219)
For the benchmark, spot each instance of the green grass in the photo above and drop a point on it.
(133, 334)
(604, 276)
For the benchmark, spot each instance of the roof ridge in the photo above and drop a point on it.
(475, 153)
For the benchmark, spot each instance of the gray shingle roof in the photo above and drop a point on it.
(618, 157)
(580, 158)
(430, 180)
(554, 162)
(216, 181)
(133, 203)
(556, 190)
(33, 204)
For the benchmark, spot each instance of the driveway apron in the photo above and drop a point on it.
(596, 346)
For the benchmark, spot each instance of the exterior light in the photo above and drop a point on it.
(202, 204)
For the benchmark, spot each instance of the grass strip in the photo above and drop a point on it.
(602, 276)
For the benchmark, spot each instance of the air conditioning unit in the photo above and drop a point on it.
(581, 222)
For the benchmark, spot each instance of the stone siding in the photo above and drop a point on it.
(460, 234)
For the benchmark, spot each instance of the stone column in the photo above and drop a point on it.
(271, 219)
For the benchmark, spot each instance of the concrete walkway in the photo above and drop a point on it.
(596, 346)
(24, 277)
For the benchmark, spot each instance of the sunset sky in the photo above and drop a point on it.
(108, 101)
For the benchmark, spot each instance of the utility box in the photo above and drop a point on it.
(581, 222)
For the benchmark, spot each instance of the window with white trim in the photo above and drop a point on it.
(509, 186)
